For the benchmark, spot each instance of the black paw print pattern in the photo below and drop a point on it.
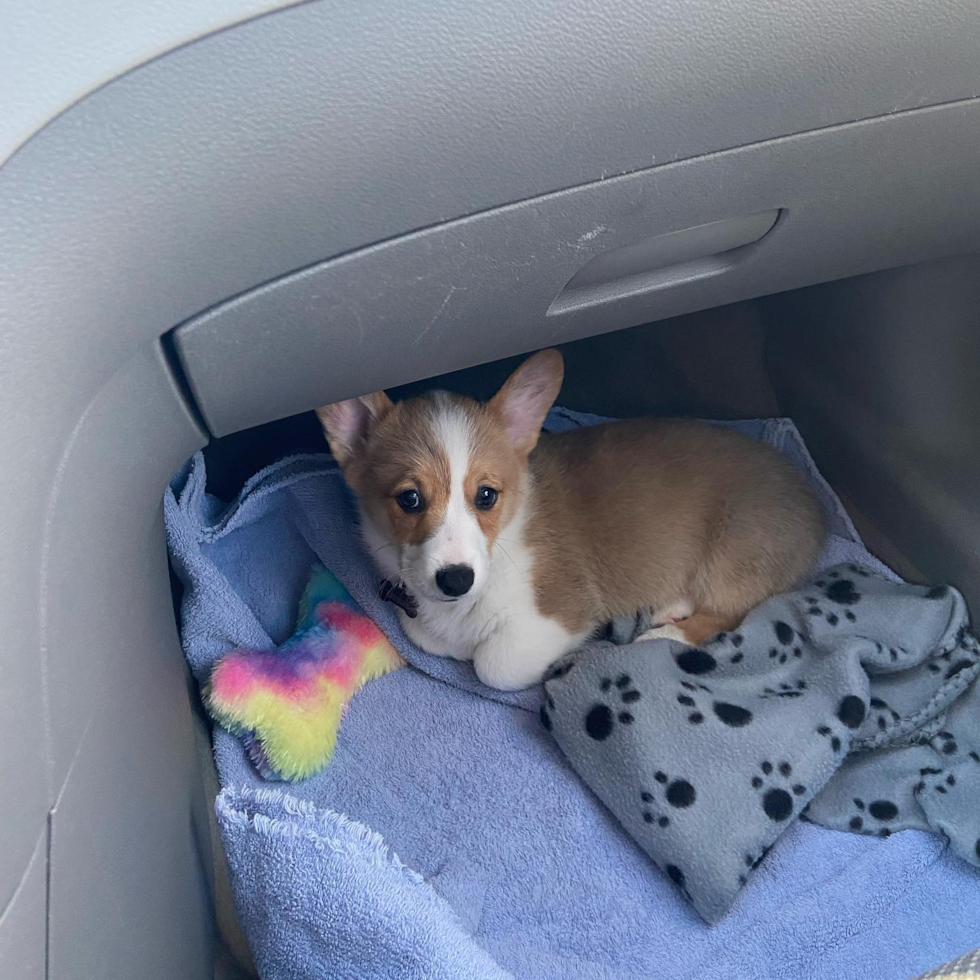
(975, 756)
(958, 665)
(777, 801)
(883, 713)
(893, 652)
(752, 861)
(841, 595)
(732, 715)
(942, 785)
(685, 698)
(678, 794)
(873, 817)
(544, 712)
(650, 813)
(945, 663)
(850, 713)
(963, 655)
(788, 642)
(696, 661)
(945, 742)
(677, 877)
(967, 640)
(828, 733)
(601, 719)
(734, 640)
(941, 782)
(559, 669)
(796, 690)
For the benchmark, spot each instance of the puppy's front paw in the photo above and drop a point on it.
(425, 640)
(508, 667)
(499, 673)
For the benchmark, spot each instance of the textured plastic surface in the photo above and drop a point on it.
(53, 54)
(651, 255)
(882, 373)
(319, 129)
(481, 288)
(120, 728)
(293, 139)
(23, 924)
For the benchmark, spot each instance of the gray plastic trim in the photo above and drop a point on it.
(674, 248)
(882, 374)
(481, 288)
(661, 262)
(24, 921)
(304, 136)
(325, 127)
(52, 55)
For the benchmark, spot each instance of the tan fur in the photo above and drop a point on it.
(497, 465)
(623, 516)
(401, 452)
(644, 513)
(701, 627)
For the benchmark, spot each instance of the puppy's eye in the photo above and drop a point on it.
(486, 497)
(410, 501)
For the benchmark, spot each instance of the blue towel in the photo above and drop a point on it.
(392, 923)
(517, 868)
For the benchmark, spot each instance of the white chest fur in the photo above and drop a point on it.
(501, 630)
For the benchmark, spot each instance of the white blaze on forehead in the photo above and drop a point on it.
(459, 539)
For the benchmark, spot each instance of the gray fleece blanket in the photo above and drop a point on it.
(851, 703)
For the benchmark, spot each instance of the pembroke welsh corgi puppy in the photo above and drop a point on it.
(516, 545)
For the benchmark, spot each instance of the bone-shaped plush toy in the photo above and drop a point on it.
(286, 704)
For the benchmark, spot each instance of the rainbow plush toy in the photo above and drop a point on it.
(286, 704)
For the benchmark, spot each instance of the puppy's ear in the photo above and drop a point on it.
(347, 423)
(526, 396)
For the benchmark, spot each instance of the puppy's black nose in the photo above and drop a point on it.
(455, 580)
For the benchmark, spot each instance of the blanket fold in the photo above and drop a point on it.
(532, 871)
(850, 703)
(290, 861)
